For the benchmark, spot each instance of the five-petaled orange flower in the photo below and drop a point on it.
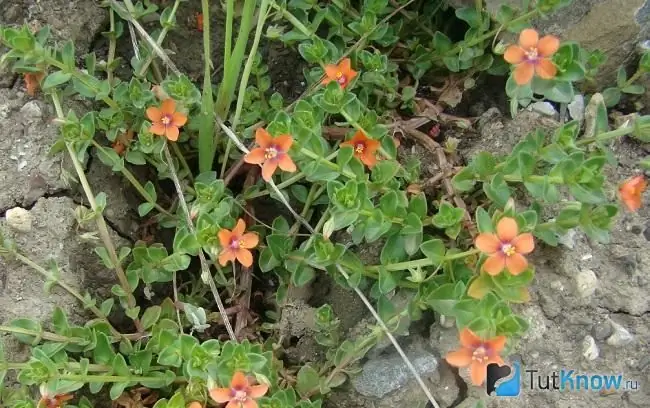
(52, 401)
(165, 120)
(273, 152)
(341, 73)
(532, 55)
(631, 191)
(365, 149)
(477, 354)
(240, 394)
(33, 82)
(506, 248)
(236, 244)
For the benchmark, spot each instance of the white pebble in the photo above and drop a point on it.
(586, 282)
(621, 336)
(590, 349)
(19, 219)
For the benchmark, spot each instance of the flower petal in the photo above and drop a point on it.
(245, 257)
(488, 243)
(286, 164)
(233, 404)
(524, 73)
(225, 256)
(239, 380)
(179, 119)
(249, 240)
(469, 339)
(545, 69)
(345, 66)
(220, 395)
(284, 142)
(516, 263)
(331, 71)
(514, 54)
(268, 169)
(154, 114)
(496, 360)
(524, 243)
(548, 45)
(528, 38)
(459, 358)
(262, 137)
(495, 263)
(368, 159)
(478, 372)
(496, 344)
(172, 133)
(158, 129)
(168, 107)
(507, 229)
(225, 236)
(257, 391)
(256, 156)
(239, 229)
(372, 146)
(249, 403)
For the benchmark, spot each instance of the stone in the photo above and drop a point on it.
(53, 239)
(590, 349)
(76, 20)
(577, 108)
(621, 336)
(545, 108)
(385, 374)
(586, 283)
(27, 172)
(19, 219)
(601, 331)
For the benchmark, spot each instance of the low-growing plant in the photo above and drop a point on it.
(342, 183)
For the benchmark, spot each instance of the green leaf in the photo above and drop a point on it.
(434, 250)
(302, 275)
(393, 250)
(29, 325)
(55, 79)
(448, 216)
(150, 316)
(484, 221)
(412, 224)
(464, 180)
(634, 89)
(612, 96)
(387, 281)
(469, 15)
(308, 381)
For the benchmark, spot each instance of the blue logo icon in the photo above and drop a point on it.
(505, 380)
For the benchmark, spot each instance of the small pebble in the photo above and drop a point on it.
(621, 336)
(568, 239)
(19, 219)
(602, 330)
(590, 349)
(577, 108)
(31, 110)
(586, 282)
(587, 257)
(545, 108)
(447, 322)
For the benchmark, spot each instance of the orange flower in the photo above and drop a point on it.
(631, 191)
(122, 142)
(33, 82)
(235, 244)
(165, 120)
(532, 55)
(240, 394)
(477, 354)
(506, 248)
(273, 152)
(194, 404)
(365, 149)
(341, 73)
(199, 22)
(56, 401)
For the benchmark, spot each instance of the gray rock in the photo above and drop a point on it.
(27, 172)
(545, 108)
(602, 330)
(590, 349)
(386, 374)
(577, 108)
(586, 283)
(19, 219)
(621, 336)
(77, 20)
(53, 239)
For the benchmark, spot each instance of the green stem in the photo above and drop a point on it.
(159, 41)
(102, 228)
(230, 16)
(612, 134)
(42, 335)
(402, 266)
(51, 277)
(83, 78)
(232, 70)
(136, 184)
(112, 45)
(207, 136)
(183, 162)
